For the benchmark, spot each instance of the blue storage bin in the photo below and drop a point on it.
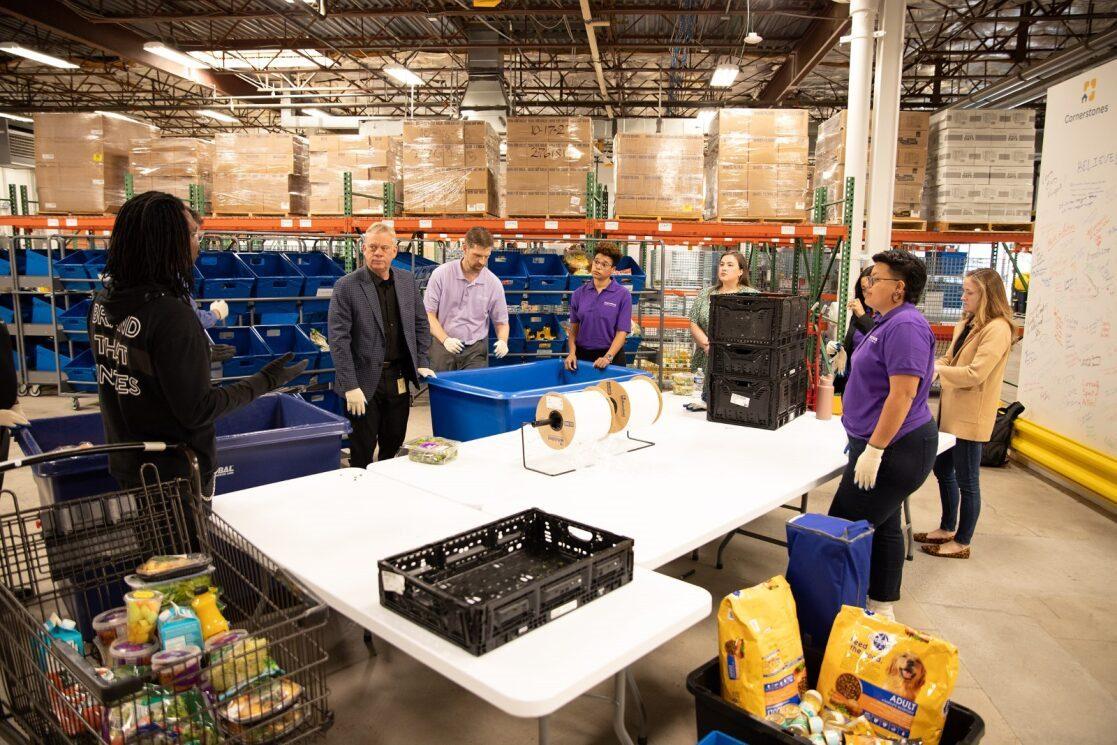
(45, 360)
(275, 277)
(7, 309)
(80, 371)
(71, 268)
(327, 401)
(74, 320)
(515, 335)
(421, 267)
(509, 268)
(635, 279)
(546, 272)
(469, 404)
(632, 344)
(34, 263)
(40, 309)
(947, 263)
(290, 338)
(252, 352)
(537, 321)
(325, 359)
(319, 270)
(224, 275)
(719, 738)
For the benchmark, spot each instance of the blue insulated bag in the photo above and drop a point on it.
(827, 567)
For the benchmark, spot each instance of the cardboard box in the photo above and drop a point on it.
(172, 165)
(659, 173)
(757, 151)
(449, 167)
(266, 174)
(370, 161)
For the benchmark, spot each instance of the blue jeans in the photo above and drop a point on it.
(958, 470)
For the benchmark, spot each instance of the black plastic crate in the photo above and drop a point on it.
(485, 587)
(765, 319)
(711, 712)
(747, 361)
(765, 403)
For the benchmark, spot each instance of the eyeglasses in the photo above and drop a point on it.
(870, 280)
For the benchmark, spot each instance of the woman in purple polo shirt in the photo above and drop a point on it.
(892, 435)
(600, 314)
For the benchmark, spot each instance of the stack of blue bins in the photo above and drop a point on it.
(515, 342)
(321, 273)
(223, 276)
(81, 270)
(252, 353)
(276, 277)
(547, 274)
(29, 263)
(290, 338)
(509, 268)
(534, 322)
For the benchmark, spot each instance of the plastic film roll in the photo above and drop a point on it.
(618, 400)
(645, 401)
(573, 418)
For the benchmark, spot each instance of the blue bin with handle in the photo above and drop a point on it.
(75, 271)
(329, 401)
(546, 273)
(321, 273)
(80, 372)
(325, 358)
(509, 268)
(290, 338)
(468, 404)
(224, 275)
(252, 352)
(533, 323)
(275, 277)
(75, 320)
(45, 359)
(629, 274)
(421, 267)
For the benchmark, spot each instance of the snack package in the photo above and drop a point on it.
(899, 679)
(761, 655)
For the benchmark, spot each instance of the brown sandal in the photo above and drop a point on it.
(925, 538)
(934, 550)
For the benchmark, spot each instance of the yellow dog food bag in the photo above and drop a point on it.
(759, 648)
(899, 679)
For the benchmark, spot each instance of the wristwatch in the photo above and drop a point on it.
(608, 357)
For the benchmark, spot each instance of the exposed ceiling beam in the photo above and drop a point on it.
(59, 19)
(435, 44)
(819, 39)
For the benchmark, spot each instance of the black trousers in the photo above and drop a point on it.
(903, 469)
(591, 355)
(384, 424)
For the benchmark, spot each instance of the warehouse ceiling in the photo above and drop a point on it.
(266, 60)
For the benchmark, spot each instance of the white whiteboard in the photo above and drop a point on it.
(1068, 376)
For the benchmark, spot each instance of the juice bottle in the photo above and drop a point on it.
(205, 607)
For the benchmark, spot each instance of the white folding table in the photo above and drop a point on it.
(329, 530)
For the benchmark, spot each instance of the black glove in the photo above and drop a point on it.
(222, 352)
(276, 373)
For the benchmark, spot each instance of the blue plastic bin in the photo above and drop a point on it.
(515, 334)
(74, 320)
(252, 352)
(290, 338)
(275, 277)
(635, 279)
(224, 275)
(719, 738)
(469, 404)
(509, 268)
(546, 272)
(45, 361)
(330, 402)
(29, 263)
(537, 321)
(72, 270)
(80, 372)
(632, 343)
(325, 359)
(321, 273)
(947, 263)
(421, 267)
(40, 309)
(8, 313)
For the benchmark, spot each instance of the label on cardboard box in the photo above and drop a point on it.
(475, 207)
(48, 156)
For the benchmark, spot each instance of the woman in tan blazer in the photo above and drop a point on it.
(970, 376)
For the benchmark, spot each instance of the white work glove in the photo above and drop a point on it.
(453, 346)
(865, 470)
(500, 349)
(355, 402)
(13, 417)
(426, 372)
(832, 348)
(220, 309)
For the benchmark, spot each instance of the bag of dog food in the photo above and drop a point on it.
(899, 679)
(761, 655)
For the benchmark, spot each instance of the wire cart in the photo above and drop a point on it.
(261, 682)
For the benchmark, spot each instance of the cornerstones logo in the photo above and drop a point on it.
(1089, 90)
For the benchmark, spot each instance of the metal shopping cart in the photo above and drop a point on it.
(261, 682)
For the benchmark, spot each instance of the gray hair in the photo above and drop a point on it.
(380, 227)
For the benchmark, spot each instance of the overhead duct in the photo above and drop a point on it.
(484, 97)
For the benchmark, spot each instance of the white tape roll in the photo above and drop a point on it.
(645, 401)
(575, 418)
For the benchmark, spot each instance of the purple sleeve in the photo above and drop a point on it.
(624, 313)
(907, 350)
(575, 297)
(433, 292)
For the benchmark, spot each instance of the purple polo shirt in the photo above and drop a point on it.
(600, 315)
(465, 308)
(901, 343)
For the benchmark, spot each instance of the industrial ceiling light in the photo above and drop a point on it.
(166, 52)
(724, 75)
(16, 118)
(11, 47)
(217, 115)
(752, 37)
(403, 75)
(123, 118)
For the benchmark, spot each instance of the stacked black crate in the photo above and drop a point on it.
(758, 350)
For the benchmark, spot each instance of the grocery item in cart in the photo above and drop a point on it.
(179, 628)
(179, 590)
(161, 568)
(111, 625)
(124, 652)
(262, 702)
(142, 613)
(271, 730)
(76, 710)
(237, 662)
(209, 615)
(178, 669)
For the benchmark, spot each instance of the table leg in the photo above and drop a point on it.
(619, 686)
(544, 730)
(641, 711)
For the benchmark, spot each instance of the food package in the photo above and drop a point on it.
(172, 165)
(658, 175)
(159, 568)
(898, 678)
(261, 702)
(432, 450)
(756, 164)
(450, 167)
(236, 662)
(179, 627)
(548, 160)
(261, 174)
(759, 649)
(75, 709)
(81, 160)
(371, 161)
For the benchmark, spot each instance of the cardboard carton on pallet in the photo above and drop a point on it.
(548, 160)
(261, 174)
(450, 167)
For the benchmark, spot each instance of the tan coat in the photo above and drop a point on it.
(971, 380)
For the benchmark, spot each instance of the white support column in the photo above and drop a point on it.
(886, 122)
(862, 14)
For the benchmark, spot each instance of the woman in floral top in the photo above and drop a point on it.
(731, 279)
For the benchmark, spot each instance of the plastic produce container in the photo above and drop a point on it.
(761, 319)
(325, 358)
(252, 352)
(290, 338)
(469, 404)
(321, 274)
(546, 272)
(75, 320)
(275, 277)
(760, 403)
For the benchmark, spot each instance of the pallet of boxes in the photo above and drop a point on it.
(758, 374)
(173, 165)
(260, 174)
(658, 176)
(548, 160)
(911, 165)
(81, 161)
(450, 168)
(372, 162)
(981, 168)
(756, 166)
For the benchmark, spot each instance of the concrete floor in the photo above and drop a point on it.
(1031, 613)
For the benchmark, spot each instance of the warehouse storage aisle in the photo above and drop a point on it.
(1030, 612)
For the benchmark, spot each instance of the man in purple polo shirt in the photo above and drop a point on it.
(600, 314)
(461, 298)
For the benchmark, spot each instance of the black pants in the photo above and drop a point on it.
(592, 355)
(384, 422)
(903, 469)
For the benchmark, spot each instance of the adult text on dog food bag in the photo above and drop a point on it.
(898, 678)
(761, 655)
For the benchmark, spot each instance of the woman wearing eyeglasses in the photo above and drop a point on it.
(892, 435)
(600, 314)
